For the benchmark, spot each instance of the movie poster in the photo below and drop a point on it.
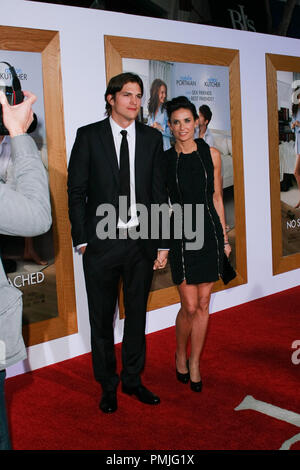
(288, 91)
(29, 262)
(203, 85)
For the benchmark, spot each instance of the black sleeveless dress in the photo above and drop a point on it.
(190, 180)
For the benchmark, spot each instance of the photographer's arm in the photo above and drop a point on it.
(25, 210)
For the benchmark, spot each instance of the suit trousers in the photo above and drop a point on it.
(122, 259)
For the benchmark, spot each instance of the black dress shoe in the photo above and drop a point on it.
(183, 378)
(195, 386)
(143, 394)
(108, 403)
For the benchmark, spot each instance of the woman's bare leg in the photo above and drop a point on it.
(199, 329)
(30, 254)
(184, 321)
(191, 322)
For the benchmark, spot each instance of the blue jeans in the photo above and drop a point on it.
(4, 434)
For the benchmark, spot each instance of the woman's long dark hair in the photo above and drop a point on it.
(153, 102)
(295, 106)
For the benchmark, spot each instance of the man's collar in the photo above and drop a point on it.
(117, 129)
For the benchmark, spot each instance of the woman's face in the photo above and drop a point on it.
(162, 94)
(182, 124)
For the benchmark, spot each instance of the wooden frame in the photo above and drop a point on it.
(275, 63)
(47, 43)
(117, 48)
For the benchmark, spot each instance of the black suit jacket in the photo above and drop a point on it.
(93, 179)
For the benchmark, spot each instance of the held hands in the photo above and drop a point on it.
(227, 249)
(161, 260)
(17, 118)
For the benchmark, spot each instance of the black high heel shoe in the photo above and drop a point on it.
(183, 378)
(195, 386)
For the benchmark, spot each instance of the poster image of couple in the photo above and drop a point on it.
(207, 87)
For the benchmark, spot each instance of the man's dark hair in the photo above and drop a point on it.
(180, 102)
(116, 84)
(206, 112)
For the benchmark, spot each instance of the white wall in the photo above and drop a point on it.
(83, 66)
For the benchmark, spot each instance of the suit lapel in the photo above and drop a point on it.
(108, 143)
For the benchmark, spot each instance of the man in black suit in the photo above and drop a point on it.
(117, 159)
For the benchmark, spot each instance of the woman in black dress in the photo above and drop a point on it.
(194, 177)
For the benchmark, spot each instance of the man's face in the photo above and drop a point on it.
(126, 103)
(202, 120)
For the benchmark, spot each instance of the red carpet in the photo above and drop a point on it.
(248, 352)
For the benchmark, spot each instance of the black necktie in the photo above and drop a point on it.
(124, 175)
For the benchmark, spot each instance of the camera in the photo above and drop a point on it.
(14, 96)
